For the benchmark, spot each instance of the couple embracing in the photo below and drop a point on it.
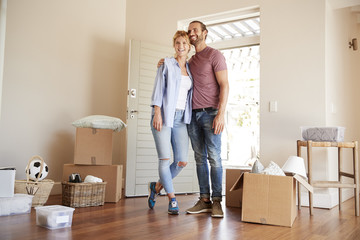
(189, 99)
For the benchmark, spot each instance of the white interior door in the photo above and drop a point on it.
(142, 160)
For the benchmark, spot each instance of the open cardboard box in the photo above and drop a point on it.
(269, 199)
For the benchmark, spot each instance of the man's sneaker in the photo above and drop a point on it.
(152, 195)
(217, 209)
(173, 207)
(200, 207)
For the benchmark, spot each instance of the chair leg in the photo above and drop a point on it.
(356, 177)
(309, 160)
(298, 184)
(339, 175)
(299, 195)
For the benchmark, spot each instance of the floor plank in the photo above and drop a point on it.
(130, 218)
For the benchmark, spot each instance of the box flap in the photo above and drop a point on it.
(304, 183)
(238, 183)
(233, 198)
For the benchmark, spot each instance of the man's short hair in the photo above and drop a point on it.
(203, 26)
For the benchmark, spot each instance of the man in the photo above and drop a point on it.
(210, 94)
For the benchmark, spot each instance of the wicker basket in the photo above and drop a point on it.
(40, 189)
(83, 194)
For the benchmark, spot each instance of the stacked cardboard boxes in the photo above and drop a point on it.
(93, 156)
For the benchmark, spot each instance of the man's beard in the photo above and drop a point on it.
(199, 38)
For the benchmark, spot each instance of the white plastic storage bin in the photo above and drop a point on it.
(18, 204)
(54, 216)
(323, 134)
(7, 180)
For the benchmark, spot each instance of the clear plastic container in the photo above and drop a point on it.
(54, 216)
(18, 204)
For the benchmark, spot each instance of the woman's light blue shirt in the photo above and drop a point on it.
(166, 91)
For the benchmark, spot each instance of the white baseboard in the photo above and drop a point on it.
(326, 198)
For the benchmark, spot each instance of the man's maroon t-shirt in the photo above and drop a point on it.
(203, 66)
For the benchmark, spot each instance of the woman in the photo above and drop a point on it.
(171, 103)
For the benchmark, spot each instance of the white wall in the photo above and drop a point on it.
(342, 81)
(342, 70)
(292, 73)
(63, 60)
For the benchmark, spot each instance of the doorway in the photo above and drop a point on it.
(240, 139)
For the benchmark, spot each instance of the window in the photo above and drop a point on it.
(234, 29)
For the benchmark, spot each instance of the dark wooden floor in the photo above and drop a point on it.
(130, 218)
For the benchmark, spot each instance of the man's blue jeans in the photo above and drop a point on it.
(206, 145)
(177, 139)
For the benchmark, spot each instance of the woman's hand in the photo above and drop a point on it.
(157, 120)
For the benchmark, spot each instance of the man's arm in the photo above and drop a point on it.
(161, 62)
(219, 120)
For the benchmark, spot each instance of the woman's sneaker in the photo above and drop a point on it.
(152, 195)
(173, 207)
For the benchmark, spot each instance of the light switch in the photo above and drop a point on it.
(333, 108)
(273, 106)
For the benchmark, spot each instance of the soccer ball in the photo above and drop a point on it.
(34, 170)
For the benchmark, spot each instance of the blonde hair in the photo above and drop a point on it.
(181, 33)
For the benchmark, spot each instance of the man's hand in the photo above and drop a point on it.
(161, 62)
(218, 123)
(219, 120)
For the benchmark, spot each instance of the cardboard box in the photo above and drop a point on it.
(269, 199)
(233, 198)
(93, 146)
(112, 174)
(7, 180)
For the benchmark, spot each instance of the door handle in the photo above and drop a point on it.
(133, 111)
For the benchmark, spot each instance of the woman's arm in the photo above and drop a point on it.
(157, 121)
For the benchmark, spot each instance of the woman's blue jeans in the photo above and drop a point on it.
(177, 139)
(206, 146)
